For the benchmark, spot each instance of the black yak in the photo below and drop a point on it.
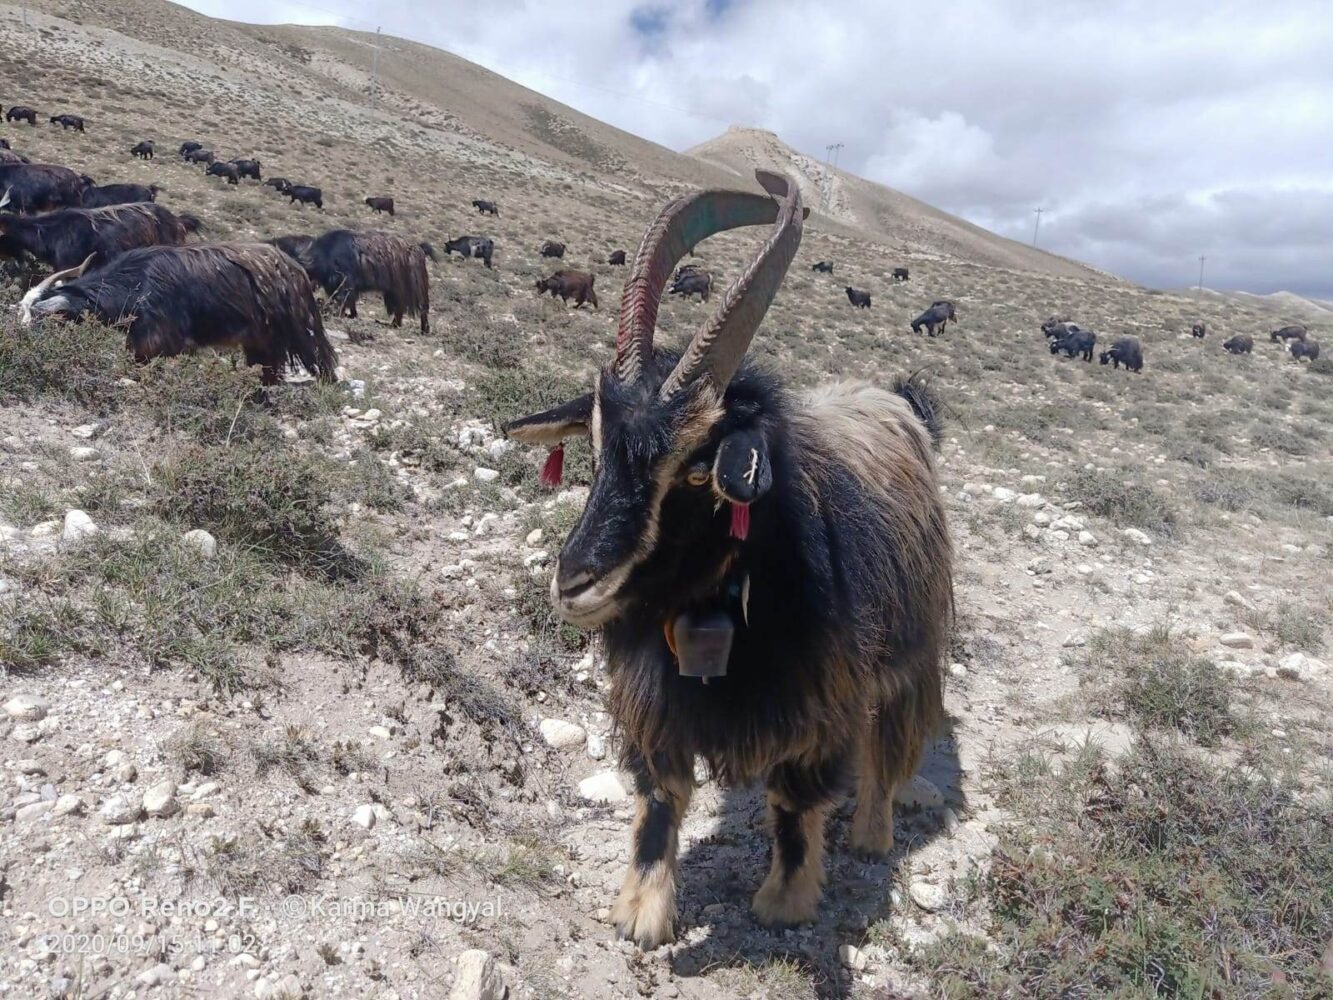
(901, 274)
(378, 205)
(142, 150)
(471, 246)
(305, 195)
(346, 264)
(293, 246)
(1287, 333)
(1308, 349)
(822, 266)
(552, 249)
(247, 168)
(204, 156)
(279, 184)
(486, 207)
(1077, 342)
(692, 280)
(1125, 351)
(102, 195)
(1199, 330)
(227, 170)
(189, 147)
(769, 569)
(63, 238)
(172, 300)
(939, 314)
(617, 258)
(9, 157)
(21, 114)
(41, 187)
(1242, 343)
(860, 300)
(68, 121)
(576, 285)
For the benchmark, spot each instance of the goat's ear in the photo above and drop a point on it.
(554, 425)
(741, 470)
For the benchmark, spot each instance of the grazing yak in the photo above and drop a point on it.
(247, 168)
(21, 114)
(62, 238)
(860, 300)
(205, 156)
(142, 150)
(769, 569)
(304, 195)
(380, 205)
(346, 264)
(486, 207)
(1242, 343)
(1125, 351)
(1199, 330)
(294, 246)
(617, 258)
(1308, 349)
(553, 249)
(576, 285)
(41, 187)
(901, 274)
(68, 121)
(189, 147)
(173, 300)
(471, 246)
(1287, 333)
(227, 170)
(1077, 342)
(939, 314)
(279, 184)
(822, 266)
(104, 195)
(692, 280)
(1056, 327)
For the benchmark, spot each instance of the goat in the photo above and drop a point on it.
(100, 196)
(471, 246)
(1287, 333)
(189, 147)
(1199, 330)
(41, 187)
(22, 114)
(172, 300)
(1127, 351)
(380, 205)
(294, 246)
(63, 238)
(486, 207)
(694, 281)
(576, 285)
(1242, 343)
(205, 156)
(142, 150)
(68, 121)
(822, 266)
(803, 533)
(346, 264)
(227, 170)
(617, 258)
(279, 184)
(552, 249)
(305, 195)
(901, 274)
(939, 314)
(247, 168)
(1308, 349)
(859, 300)
(1076, 342)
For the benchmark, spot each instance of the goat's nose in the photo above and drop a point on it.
(573, 578)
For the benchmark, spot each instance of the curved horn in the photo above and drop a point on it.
(5, 200)
(62, 276)
(684, 223)
(719, 346)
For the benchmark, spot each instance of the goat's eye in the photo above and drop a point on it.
(698, 475)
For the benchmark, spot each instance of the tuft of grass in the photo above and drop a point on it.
(80, 362)
(1128, 504)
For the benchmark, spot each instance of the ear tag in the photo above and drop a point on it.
(554, 469)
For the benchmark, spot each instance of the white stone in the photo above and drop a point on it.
(78, 525)
(561, 735)
(364, 817)
(156, 976)
(852, 957)
(69, 805)
(32, 811)
(927, 895)
(596, 746)
(84, 431)
(27, 708)
(201, 542)
(919, 793)
(1236, 640)
(1087, 538)
(535, 537)
(380, 732)
(1031, 500)
(1236, 599)
(477, 978)
(118, 810)
(83, 453)
(1068, 523)
(603, 787)
(1135, 535)
(1003, 494)
(484, 475)
(160, 800)
(499, 448)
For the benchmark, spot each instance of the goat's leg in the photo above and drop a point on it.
(645, 910)
(800, 798)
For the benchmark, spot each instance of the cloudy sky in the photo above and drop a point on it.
(1149, 132)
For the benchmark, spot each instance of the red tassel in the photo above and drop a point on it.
(554, 469)
(740, 520)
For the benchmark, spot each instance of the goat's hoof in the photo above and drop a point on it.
(870, 845)
(645, 917)
(786, 905)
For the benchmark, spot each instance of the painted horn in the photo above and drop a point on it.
(684, 223)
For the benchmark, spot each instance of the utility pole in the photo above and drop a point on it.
(1037, 228)
(375, 73)
(831, 163)
(1201, 260)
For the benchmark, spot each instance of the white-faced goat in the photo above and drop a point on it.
(770, 570)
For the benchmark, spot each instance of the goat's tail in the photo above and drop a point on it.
(920, 395)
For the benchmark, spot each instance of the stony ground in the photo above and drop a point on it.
(285, 713)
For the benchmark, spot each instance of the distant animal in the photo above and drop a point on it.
(486, 207)
(4, 144)
(1125, 351)
(305, 195)
(189, 147)
(471, 246)
(1242, 343)
(617, 258)
(1287, 333)
(280, 184)
(200, 156)
(381, 204)
(576, 285)
(860, 300)
(62, 238)
(174, 300)
(68, 121)
(293, 246)
(1056, 327)
(939, 314)
(901, 274)
(692, 280)
(1308, 349)
(1076, 343)
(769, 571)
(100, 196)
(1199, 331)
(822, 266)
(142, 150)
(247, 168)
(41, 187)
(347, 264)
(227, 170)
(21, 114)
(552, 249)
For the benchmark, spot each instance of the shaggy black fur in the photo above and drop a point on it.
(346, 264)
(65, 238)
(41, 187)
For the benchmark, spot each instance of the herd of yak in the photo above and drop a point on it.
(122, 258)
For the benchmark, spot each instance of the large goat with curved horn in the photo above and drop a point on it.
(771, 572)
